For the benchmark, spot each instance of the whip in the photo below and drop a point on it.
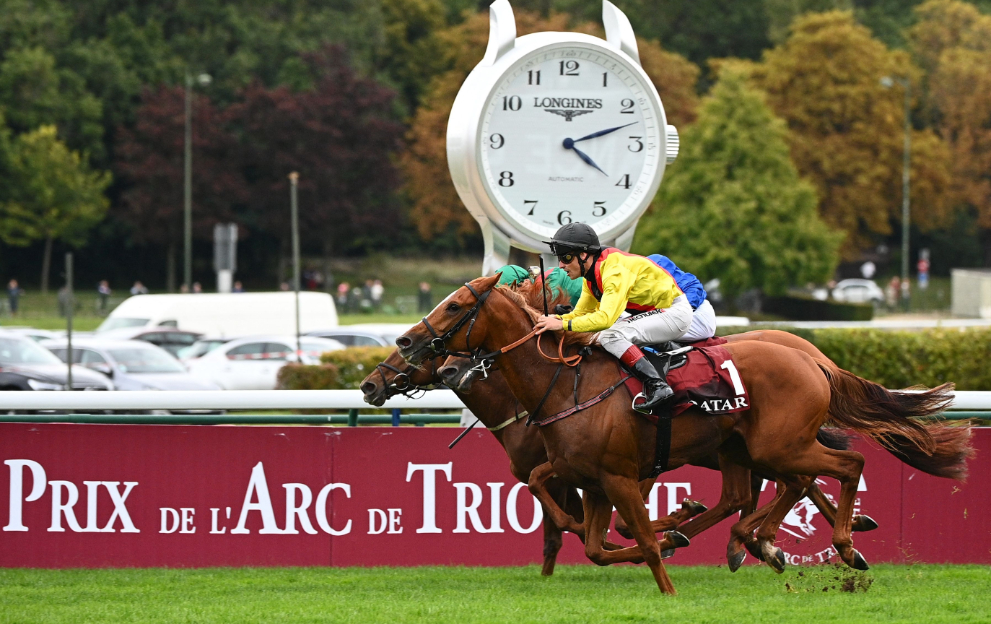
(543, 284)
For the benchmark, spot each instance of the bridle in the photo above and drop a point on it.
(401, 382)
(438, 344)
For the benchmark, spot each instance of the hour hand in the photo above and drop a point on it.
(569, 144)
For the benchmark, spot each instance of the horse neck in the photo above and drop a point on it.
(490, 400)
(528, 374)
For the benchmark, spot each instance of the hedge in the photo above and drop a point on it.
(354, 364)
(894, 359)
(809, 309)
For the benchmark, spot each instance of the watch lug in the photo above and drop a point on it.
(619, 32)
(502, 31)
(624, 241)
(496, 248)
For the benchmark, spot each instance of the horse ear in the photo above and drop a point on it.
(486, 283)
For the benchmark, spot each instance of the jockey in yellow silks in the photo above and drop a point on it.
(616, 281)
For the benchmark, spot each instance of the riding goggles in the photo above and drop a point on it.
(566, 258)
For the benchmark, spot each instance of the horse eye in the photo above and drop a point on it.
(453, 307)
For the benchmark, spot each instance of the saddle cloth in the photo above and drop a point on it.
(704, 377)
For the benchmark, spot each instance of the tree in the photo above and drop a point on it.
(150, 170)
(436, 208)
(34, 91)
(733, 206)
(952, 41)
(54, 195)
(413, 53)
(341, 137)
(846, 129)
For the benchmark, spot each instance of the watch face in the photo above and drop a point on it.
(570, 133)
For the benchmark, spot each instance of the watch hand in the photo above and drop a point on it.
(603, 132)
(569, 144)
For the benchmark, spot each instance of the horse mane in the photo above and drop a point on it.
(528, 296)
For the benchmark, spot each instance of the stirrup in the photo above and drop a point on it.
(638, 408)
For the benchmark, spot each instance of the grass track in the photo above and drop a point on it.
(919, 593)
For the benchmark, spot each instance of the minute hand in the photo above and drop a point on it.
(603, 132)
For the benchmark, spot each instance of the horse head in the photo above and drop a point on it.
(459, 373)
(453, 325)
(394, 376)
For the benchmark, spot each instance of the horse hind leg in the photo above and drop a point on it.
(861, 522)
(794, 490)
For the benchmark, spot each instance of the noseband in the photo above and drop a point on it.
(401, 382)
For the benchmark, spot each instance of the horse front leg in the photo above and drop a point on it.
(538, 487)
(625, 495)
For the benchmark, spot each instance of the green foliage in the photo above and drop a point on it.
(733, 206)
(303, 377)
(809, 309)
(781, 13)
(899, 359)
(34, 91)
(355, 363)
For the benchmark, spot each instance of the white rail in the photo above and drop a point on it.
(278, 399)
(217, 400)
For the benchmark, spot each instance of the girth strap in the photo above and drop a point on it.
(662, 447)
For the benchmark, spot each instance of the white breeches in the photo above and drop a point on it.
(651, 327)
(703, 324)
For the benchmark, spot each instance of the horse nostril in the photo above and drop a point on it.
(403, 342)
(368, 387)
(448, 372)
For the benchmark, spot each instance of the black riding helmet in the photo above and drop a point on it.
(574, 238)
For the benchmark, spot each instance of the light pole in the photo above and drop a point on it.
(294, 218)
(888, 82)
(187, 194)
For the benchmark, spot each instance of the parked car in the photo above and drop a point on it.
(858, 291)
(132, 364)
(253, 363)
(365, 334)
(25, 365)
(31, 332)
(201, 347)
(171, 339)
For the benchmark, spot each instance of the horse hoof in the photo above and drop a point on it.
(863, 523)
(679, 540)
(694, 506)
(859, 563)
(667, 554)
(736, 560)
(775, 557)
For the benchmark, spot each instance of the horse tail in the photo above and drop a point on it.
(886, 417)
(836, 439)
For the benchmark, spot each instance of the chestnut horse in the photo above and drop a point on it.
(493, 403)
(607, 449)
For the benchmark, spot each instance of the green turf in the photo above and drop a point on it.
(919, 593)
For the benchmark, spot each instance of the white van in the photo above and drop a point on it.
(225, 315)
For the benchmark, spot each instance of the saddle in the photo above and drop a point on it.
(702, 374)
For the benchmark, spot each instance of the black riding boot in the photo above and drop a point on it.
(656, 390)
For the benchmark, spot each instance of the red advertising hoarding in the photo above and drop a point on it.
(184, 496)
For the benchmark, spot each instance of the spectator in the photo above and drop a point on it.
(63, 301)
(906, 294)
(342, 296)
(139, 288)
(197, 288)
(284, 286)
(425, 300)
(103, 293)
(14, 293)
(355, 299)
(184, 289)
(238, 288)
(377, 291)
(891, 292)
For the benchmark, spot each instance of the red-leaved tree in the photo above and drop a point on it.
(149, 167)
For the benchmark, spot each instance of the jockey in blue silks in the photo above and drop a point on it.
(703, 316)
